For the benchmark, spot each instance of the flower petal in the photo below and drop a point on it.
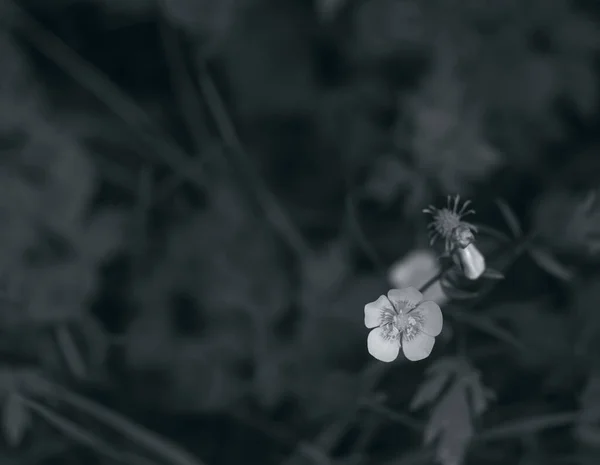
(432, 317)
(400, 297)
(382, 348)
(373, 311)
(419, 347)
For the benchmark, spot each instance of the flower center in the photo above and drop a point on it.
(413, 326)
(402, 323)
(446, 221)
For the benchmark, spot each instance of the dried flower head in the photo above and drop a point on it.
(402, 320)
(458, 234)
(448, 223)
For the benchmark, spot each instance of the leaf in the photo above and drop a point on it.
(70, 352)
(431, 388)
(59, 291)
(490, 273)
(448, 140)
(388, 176)
(569, 223)
(328, 9)
(270, 376)
(483, 229)
(450, 422)
(479, 395)
(383, 27)
(450, 287)
(510, 218)
(104, 234)
(97, 341)
(127, 7)
(324, 272)
(550, 264)
(204, 18)
(587, 429)
(15, 419)
(543, 332)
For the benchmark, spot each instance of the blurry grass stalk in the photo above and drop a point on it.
(79, 435)
(156, 141)
(152, 443)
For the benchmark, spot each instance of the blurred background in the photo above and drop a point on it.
(198, 198)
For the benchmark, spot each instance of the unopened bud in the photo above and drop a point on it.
(472, 261)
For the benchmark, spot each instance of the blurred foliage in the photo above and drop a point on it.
(199, 197)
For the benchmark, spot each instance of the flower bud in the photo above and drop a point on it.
(416, 269)
(471, 261)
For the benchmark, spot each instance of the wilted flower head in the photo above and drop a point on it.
(416, 269)
(458, 235)
(402, 320)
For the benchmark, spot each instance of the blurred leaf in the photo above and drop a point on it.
(59, 291)
(432, 387)
(328, 9)
(201, 18)
(386, 179)
(337, 392)
(385, 27)
(327, 270)
(545, 334)
(568, 222)
(485, 230)
(68, 177)
(586, 296)
(70, 352)
(15, 419)
(203, 375)
(267, 62)
(490, 273)
(511, 219)
(448, 143)
(550, 264)
(104, 234)
(20, 96)
(450, 421)
(125, 7)
(587, 429)
(97, 342)
(451, 285)
(340, 312)
(150, 342)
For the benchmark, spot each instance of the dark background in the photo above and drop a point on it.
(198, 198)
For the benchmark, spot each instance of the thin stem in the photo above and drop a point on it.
(158, 144)
(268, 202)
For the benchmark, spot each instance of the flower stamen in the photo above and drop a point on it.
(448, 224)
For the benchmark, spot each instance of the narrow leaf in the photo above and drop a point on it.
(510, 218)
(15, 419)
(547, 262)
(430, 390)
(490, 273)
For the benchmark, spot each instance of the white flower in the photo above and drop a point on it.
(402, 320)
(415, 269)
